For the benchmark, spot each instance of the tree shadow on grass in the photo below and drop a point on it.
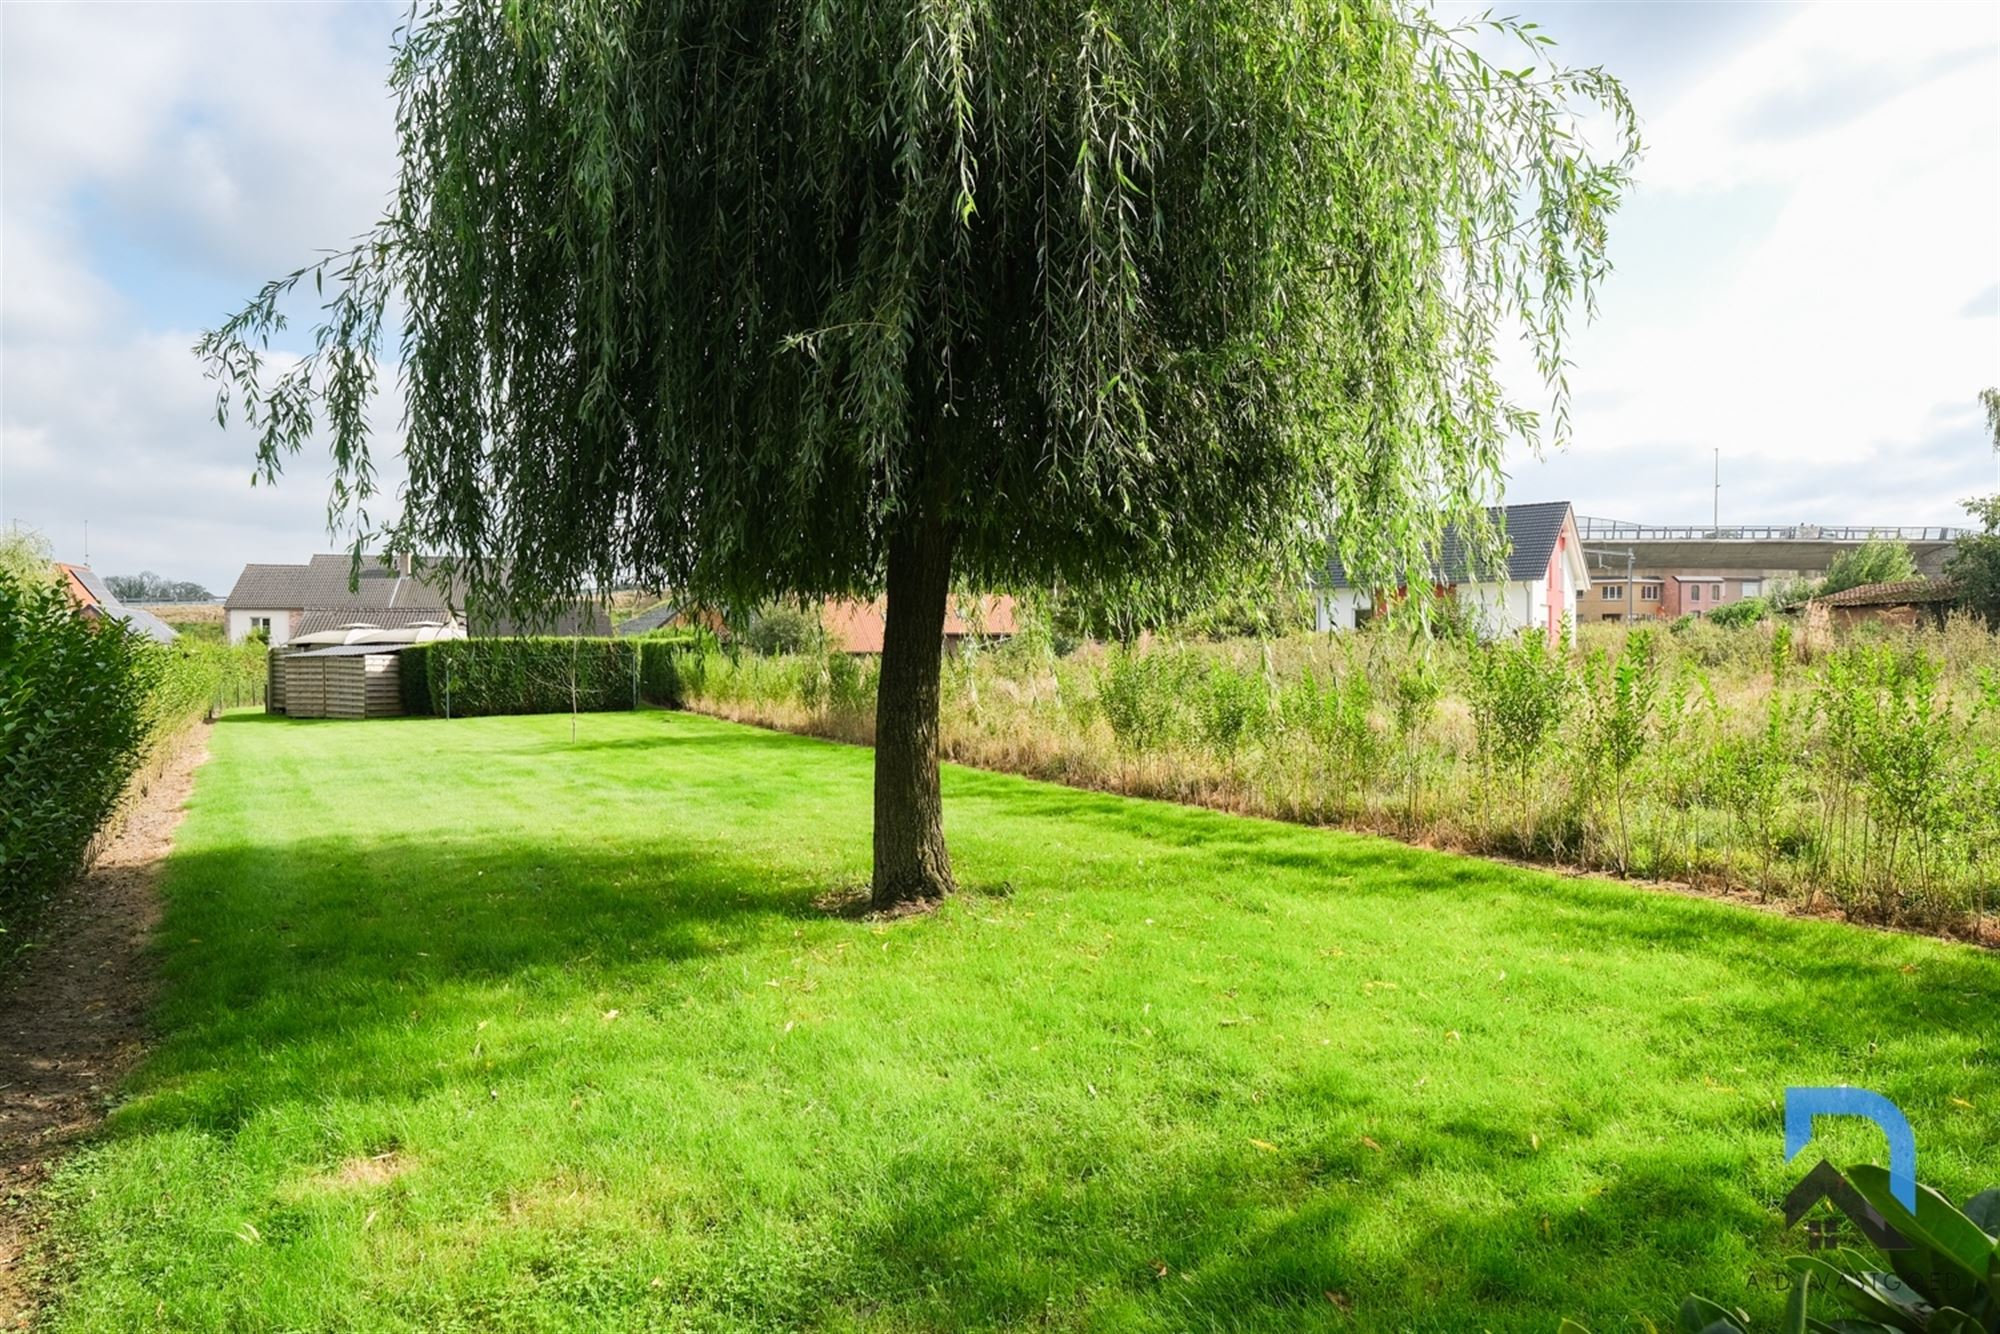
(668, 743)
(331, 941)
(1006, 1229)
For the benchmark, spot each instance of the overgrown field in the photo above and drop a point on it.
(1864, 781)
(196, 622)
(470, 1026)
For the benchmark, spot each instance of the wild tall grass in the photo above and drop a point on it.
(1864, 779)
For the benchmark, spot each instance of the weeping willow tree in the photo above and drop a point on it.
(834, 297)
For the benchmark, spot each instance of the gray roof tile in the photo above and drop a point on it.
(331, 594)
(1529, 530)
(317, 620)
(138, 618)
(649, 620)
(268, 588)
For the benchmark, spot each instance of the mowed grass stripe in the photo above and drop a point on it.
(472, 1025)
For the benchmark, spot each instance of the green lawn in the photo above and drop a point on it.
(470, 1026)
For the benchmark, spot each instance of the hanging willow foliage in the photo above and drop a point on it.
(711, 295)
(815, 297)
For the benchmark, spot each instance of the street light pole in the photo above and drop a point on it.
(1631, 554)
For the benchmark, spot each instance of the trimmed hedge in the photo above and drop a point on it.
(672, 666)
(470, 678)
(413, 678)
(82, 705)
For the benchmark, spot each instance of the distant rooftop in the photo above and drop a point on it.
(327, 590)
(329, 580)
(1530, 532)
(91, 593)
(653, 618)
(1901, 593)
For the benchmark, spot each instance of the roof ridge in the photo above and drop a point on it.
(1531, 528)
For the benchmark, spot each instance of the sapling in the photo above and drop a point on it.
(1416, 693)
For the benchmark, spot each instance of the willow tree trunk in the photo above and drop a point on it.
(910, 858)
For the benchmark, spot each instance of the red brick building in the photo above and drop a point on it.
(1644, 595)
(858, 626)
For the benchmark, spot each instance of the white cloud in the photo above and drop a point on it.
(158, 162)
(133, 449)
(1835, 83)
(1835, 186)
(47, 289)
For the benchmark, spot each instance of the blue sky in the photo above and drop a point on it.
(1808, 273)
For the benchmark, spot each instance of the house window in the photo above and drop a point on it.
(1613, 617)
(1753, 588)
(1649, 592)
(1694, 592)
(1614, 592)
(260, 623)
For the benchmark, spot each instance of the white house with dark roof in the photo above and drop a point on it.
(1545, 571)
(286, 601)
(277, 599)
(269, 598)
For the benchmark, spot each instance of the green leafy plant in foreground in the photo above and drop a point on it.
(1948, 1282)
(84, 705)
(74, 723)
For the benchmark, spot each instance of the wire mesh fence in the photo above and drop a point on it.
(240, 693)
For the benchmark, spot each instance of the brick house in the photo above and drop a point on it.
(1642, 595)
(98, 602)
(858, 627)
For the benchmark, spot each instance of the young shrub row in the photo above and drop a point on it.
(1154, 699)
(836, 684)
(469, 678)
(1863, 778)
(673, 666)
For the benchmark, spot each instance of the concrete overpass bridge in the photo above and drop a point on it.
(1806, 548)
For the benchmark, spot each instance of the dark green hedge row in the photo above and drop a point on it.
(672, 666)
(470, 678)
(81, 704)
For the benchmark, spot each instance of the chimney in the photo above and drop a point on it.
(403, 563)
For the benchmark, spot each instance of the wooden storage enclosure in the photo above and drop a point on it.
(274, 677)
(353, 682)
(363, 686)
(305, 685)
